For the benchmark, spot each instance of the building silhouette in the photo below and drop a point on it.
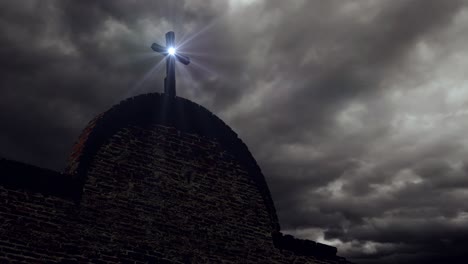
(154, 179)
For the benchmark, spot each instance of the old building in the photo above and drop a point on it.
(152, 180)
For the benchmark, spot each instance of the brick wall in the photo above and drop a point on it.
(178, 187)
(179, 193)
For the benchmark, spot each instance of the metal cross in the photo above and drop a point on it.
(171, 54)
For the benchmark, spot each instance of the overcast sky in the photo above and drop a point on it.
(356, 111)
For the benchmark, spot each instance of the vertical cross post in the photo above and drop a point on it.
(171, 55)
(169, 81)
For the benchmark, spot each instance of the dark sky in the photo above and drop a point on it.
(355, 110)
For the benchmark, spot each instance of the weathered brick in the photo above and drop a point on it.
(144, 187)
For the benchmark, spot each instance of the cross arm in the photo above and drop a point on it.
(158, 48)
(182, 59)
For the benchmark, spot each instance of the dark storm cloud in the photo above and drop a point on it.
(353, 109)
(65, 61)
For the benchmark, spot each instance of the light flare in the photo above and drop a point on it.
(171, 51)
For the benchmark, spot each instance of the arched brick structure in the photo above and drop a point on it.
(152, 180)
(179, 113)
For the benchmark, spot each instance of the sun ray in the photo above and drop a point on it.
(157, 67)
(183, 40)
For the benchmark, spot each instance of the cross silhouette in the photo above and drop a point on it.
(171, 54)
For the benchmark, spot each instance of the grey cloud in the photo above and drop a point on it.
(309, 85)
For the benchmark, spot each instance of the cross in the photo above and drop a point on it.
(171, 54)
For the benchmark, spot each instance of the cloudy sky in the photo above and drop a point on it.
(356, 110)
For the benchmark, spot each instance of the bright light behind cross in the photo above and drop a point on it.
(169, 81)
(171, 51)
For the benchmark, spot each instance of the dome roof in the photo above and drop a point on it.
(158, 109)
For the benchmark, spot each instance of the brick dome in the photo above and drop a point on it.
(178, 113)
(152, 180)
